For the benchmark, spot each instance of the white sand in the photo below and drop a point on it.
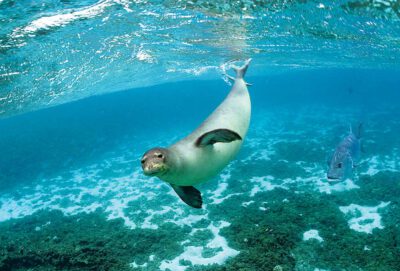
(364, 218)
(312, 234)
(263, 184)
(193, 254)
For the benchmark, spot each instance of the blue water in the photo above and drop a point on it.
(87, 87)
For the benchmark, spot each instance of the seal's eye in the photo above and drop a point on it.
(142, 161)
(339, 165)
(160, 155)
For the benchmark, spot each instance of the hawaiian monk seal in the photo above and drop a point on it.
(208, 149)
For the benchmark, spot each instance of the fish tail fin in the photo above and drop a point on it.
(241, 71)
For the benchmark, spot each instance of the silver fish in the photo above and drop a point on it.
(345, 157)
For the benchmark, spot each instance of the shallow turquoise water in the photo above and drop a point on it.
(72, 192)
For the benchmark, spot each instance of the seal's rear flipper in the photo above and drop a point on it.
(217, 135)
(190, 195)
(240, 71)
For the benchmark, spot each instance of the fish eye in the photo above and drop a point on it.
(339, 165)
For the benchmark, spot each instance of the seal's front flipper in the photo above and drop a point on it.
(217, 135)
(190, 195)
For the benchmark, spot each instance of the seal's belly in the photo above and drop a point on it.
(199, 164)
(204, 163)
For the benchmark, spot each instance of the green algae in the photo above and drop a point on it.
(272, 237)
(51, 241)
(265, 238)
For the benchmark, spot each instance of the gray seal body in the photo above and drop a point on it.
(208, 149)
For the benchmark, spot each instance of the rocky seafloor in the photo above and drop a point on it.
(271, 209)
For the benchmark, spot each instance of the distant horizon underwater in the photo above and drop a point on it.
(73, 195)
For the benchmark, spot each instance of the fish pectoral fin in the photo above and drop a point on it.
(189, 194)
(217, 135)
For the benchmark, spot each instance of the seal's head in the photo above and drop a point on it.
(154, 162)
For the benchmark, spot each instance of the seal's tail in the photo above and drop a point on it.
(240, 71)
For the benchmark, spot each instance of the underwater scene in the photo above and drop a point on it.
(200, 135)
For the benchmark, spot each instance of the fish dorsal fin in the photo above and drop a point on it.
(217, 135)
(189, 194)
